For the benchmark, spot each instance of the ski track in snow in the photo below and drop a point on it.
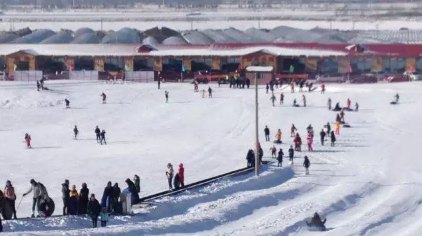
(368, 184)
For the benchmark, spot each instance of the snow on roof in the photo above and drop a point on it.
(130, 50)
(87, 38)
(274, 50)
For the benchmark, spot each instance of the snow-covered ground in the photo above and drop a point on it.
(368, 184)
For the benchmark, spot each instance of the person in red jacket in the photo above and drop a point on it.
(298, 142)
(181, 175)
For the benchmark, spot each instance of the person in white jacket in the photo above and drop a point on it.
(38, 193)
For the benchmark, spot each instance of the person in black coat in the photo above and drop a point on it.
(267, 133)
(107, 195)
(65, 197)
(291, 154)
(322, 136)
(132, 189)
(94, 209)
(250, 158)
(306, 164)
(102, 137)
(333, 138)
(115, 196)
(67, 102)
(280, 157)
(98, 134)
(83, 199)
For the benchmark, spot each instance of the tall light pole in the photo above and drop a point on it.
(257, 70)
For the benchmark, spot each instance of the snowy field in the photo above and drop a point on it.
(368, 184)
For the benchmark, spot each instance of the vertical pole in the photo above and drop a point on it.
(256, 126)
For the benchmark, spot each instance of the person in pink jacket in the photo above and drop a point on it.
(310, 140)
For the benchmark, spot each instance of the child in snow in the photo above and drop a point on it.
(356, 106)
(293, 131)
(349, 103)
(304, 100)
(267, 133)
(98, 134)
(181, 174)
(306, 164)
(104, 217)
(329, 104)
(209, 92)
(298, 142)
(137, 182)
(28, 140)
(337, 127)
(322, 136)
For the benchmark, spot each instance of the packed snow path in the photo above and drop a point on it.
(368, 184)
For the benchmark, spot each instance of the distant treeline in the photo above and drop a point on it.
(63, 4)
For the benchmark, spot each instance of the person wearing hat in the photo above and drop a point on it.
(9, 194)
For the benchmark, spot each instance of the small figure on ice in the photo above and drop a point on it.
(280, 158)
(28, 140)
(98, 134)
(166, 94)
(267, 133)
(67, 102)
(209, 92)
(291, 154)
(169, 174)
(102, 139)
(104, 97)
(76, 132)
(281, 98)
(306, 164)
(272, 98)
(396, 101)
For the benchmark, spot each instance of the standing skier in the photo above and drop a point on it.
(169, 174)
(267, 133)
(166, 94)
(322, 136)
(98, 133)
(76, 131)
(280, 157)
(291, 154)
(104, 96)
(102, 139)
(306, 164)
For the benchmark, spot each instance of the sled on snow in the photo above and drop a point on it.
(316, 227)
(46, 208)
(394, 103)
